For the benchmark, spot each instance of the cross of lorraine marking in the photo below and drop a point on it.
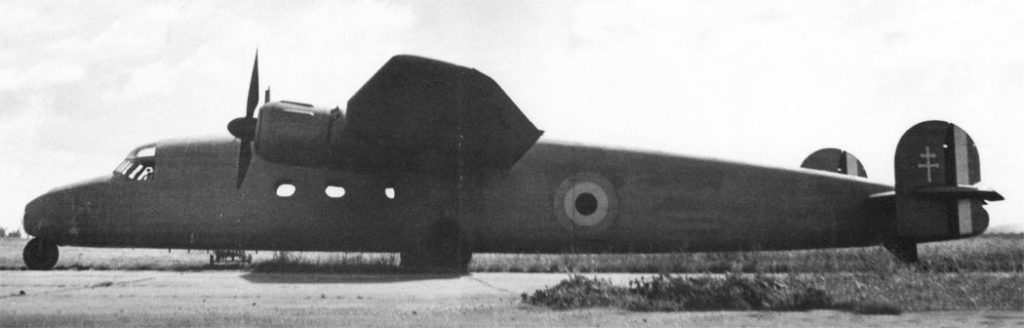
(928, 155)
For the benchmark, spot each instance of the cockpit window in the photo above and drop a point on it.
(139, 165)
(148, 151)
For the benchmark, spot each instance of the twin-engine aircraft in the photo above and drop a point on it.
(434, 161)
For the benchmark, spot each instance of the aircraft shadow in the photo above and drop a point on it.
(343, 278)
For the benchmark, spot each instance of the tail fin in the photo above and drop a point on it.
(835, 161)
(936, 169)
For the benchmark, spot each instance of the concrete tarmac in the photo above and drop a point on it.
(234, 298)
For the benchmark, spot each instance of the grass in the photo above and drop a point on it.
(83, 258)
(87, 258)
(916, 290)
(986, 253)
(330, 263)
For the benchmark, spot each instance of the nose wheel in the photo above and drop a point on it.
(40, 254)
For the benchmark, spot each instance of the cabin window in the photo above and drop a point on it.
(334, 191)
(285, 190)
(140, 165)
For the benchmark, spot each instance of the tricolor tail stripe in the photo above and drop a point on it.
(852, 164)
(964, 213)
(960, 154)
(958, 174)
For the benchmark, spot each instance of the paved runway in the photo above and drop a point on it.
(233, 298)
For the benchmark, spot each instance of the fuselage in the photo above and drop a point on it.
(659, 203)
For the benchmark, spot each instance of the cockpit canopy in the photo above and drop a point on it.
(140, 164)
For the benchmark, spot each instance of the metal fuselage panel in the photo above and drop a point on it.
(671, 203)
(664, 203)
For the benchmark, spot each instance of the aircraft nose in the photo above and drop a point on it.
(62, 211)
(44, 214)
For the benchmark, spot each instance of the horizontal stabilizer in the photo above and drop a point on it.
(425, 115)
(835, 161)
(958, 192)
(944, 192)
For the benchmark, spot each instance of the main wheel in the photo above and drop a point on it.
(40, 254)
(445, 248)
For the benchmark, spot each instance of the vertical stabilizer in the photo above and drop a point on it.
(836, 161)
(936, 169)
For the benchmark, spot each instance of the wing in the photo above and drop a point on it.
(419, 114)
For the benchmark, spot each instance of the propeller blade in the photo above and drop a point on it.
(254, 88)
(244, 157)
(244, 128)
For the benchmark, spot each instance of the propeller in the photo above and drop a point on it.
(244, 128)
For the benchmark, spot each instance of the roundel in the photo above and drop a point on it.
(585, 202)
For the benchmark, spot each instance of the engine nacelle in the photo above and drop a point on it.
(298, 134)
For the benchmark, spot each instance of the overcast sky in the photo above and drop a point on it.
(82, 83)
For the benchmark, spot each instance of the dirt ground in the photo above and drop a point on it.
(235, 298)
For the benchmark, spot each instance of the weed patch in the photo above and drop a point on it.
(678, 293)
(865, 293)
(578, 291)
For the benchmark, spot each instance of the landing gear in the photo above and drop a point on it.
(446, 248)
(40, 254)
(905, 251)
(234, 255)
